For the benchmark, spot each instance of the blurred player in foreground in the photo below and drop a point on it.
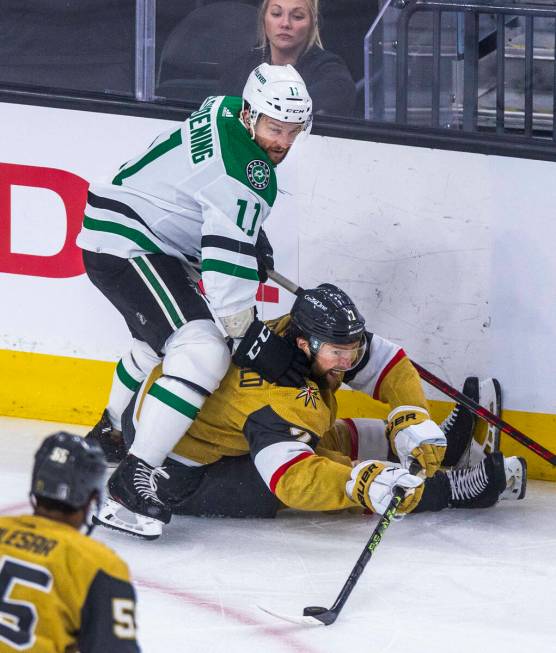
(61, 591)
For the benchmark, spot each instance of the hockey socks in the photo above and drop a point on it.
(130, 372)
(168, 410)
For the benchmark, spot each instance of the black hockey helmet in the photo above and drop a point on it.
(326, 314)
(68, 469)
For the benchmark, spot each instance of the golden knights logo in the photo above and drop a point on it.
(258, 174)
(310, 394)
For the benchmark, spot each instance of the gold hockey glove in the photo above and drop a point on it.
(372, 485)
(413, 435)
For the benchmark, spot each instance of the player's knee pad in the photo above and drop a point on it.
(197, 353)
(142, 356)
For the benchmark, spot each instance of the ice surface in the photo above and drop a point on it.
(450, 582)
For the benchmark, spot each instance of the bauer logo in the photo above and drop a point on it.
(258, 173)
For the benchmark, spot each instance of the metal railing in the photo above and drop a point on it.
(387, 98)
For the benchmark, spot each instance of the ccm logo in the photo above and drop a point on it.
(255, 349)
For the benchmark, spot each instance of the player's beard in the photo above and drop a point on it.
(327, 380)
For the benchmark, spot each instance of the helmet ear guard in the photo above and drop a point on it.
(280, 93)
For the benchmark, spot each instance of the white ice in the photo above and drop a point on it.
(448, 582)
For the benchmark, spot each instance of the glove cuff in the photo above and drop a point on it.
(402, 417)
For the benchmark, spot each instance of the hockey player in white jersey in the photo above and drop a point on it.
(198, 196)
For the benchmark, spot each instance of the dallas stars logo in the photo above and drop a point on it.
(310, 394)
(258, 174)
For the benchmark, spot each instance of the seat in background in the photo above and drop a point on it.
(192, 57)
(76, 45)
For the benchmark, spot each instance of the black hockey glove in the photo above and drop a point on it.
(276, 359)
(265, 256)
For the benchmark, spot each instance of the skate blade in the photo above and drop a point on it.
(118, 518)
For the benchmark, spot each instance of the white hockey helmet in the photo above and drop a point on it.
(280, 93)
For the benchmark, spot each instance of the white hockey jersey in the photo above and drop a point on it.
(199, 193)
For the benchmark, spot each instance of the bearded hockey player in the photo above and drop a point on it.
(199, 196)
(256, 447)
(62, 591)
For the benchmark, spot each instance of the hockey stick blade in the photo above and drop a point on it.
(315, 616)
(305, 620)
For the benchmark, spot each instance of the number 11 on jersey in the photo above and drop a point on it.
(249, 231)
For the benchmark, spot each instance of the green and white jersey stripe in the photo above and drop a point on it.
(200, 192)
(159, 291)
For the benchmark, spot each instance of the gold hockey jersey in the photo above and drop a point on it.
(61, 591)
(282, 427)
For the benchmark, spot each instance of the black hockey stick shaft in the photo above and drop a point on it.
(485, 414)
(329, 616)
(447, 389)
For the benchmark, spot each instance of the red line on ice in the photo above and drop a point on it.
(279, 634)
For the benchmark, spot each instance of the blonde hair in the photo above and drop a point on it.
(314, 35)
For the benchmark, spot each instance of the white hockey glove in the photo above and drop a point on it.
(372, 485)
(413, 435)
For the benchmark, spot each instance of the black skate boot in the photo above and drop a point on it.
(495, 477)
(458, 427)
(133, 505)
(109, 438)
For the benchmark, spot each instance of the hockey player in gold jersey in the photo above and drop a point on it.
(256, 446)
(61, 591)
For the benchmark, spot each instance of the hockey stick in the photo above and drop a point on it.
(317, 616)
(485, 414)
(447, 389)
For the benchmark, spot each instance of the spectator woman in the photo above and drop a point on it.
(289, 34)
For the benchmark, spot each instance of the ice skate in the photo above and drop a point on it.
(117, 517)
(133, 505)
(458, 427)
(109, 438)
(494, 478)
(516, 478)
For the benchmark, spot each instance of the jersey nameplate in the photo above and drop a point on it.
(200, 130)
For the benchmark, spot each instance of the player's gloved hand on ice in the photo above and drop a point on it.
(372, 485)
(276, 359)
(265, 256)
(413, 435)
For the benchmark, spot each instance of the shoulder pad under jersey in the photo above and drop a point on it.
(243, 159)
